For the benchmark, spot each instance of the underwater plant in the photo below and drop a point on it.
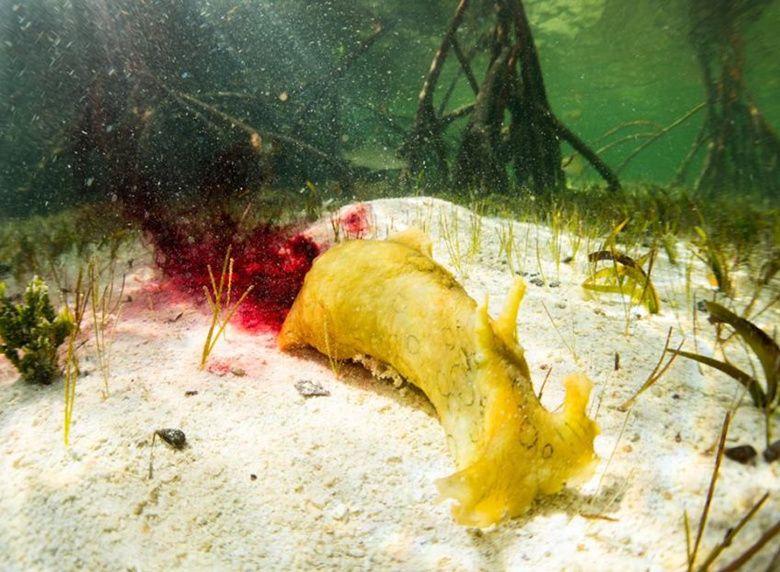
(219, 303)
(711, 254)
(449, 228)
(657, 373)
(31, 332)
(506, 245)
(41, 245)
(77, 310)
(624, 276)
(105, 305)
(476, 212)
(759, 342)
(391, 301)
(693, 544)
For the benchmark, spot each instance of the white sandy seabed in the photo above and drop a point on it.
(273, 480)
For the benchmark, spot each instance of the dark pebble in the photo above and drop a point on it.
(772, 453)
(741, 453)
(568, 259)
(554, 284)
(190, 393)
(253, 477)
(174, 437)
(537, 282)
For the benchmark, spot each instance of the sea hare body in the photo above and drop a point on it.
(390, 300)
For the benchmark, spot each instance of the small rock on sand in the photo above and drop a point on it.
(309, 388)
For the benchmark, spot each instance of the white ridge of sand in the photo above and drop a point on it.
(271, 480)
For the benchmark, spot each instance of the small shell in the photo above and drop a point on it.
(772, 453)
(741, 453)
(174, 437)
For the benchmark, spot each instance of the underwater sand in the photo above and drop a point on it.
(271, 479)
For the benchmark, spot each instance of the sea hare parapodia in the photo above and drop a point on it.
(391, 301)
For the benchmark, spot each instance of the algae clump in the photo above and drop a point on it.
(31, 332)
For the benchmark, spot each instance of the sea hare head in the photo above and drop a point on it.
(525, 450)
(525, 454)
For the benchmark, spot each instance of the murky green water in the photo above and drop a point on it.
(97, 97)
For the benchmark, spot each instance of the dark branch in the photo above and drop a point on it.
(583, 149)
(465, 65)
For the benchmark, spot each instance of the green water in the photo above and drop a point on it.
(68, 68)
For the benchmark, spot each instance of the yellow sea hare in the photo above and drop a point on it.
(389, 300)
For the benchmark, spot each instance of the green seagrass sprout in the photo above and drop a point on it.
(31, 332)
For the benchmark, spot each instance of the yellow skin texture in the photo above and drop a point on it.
(391, 301)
